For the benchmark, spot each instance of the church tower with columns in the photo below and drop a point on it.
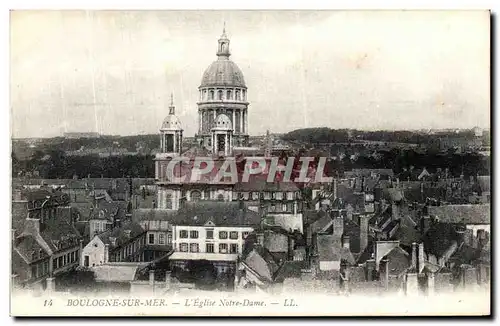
(223, 92)
(170, 138)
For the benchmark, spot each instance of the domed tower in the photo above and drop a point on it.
(222, 136)
(170, 137)
(223, 92)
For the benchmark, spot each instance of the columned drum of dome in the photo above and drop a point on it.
(223, 92)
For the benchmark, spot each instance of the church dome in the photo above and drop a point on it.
(171, 122)
(223, 122)
(223, 72)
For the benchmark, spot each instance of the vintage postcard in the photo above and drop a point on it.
(250, 163)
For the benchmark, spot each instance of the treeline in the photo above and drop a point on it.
(317, 135)
(127, 142)
(469, 164)
(327, 135)
(55, 164)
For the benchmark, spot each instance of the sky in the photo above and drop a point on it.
(113, 71)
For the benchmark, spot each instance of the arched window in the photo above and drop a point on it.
(243, 94)
(220, 95)
(195, 196)
(212, 94)
(168, 201)
(229, 94)
(237, 95)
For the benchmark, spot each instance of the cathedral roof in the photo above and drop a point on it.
(223, 72)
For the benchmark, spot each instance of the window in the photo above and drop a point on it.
(210, 233)
(246, 195)
(223, 248)
(222, 235)
(220, 197)
(237, 95)
(279, 196)
(161, 238)
(193, 234)
(267, 195)
(183, 247)
(289, 195)
(272, 208)
(220, 96)
(169, 238)
(183, 234)
(244, 235)
(195, 196)
(210, 248)
(255, 195)
(211, 95)
(233, 235)
(194, 247)
(168, 200)
(60, 262)
(229, 94)
(283, 208)
(234, 248)
(151, 238)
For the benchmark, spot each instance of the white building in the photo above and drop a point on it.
(213, 231)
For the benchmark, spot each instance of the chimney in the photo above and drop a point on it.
(386, 276)
(345, 242)
(112, 241)
(363, 232)
(421, 257)
(350, 211)
(395, 211)
(291, 244)
(151, 277)
(370, 267)
(106, 251)
(338, 226)
(334, 189)
(260, 238)
(127, 233)
(414, 255)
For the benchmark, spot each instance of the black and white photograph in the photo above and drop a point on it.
(250, 163)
